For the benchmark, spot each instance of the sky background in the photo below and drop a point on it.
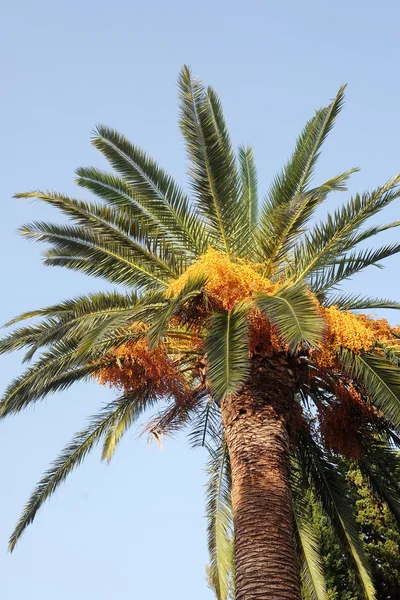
(136, 528)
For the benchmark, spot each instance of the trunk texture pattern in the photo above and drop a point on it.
(256, 429)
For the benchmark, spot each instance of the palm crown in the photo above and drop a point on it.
(216, 286)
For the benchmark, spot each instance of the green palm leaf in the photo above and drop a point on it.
(59, 367)
(154, 189)
(358, 302)
(193, 287)
(308, 547)
(380, 466)
(80, 306)
(70, 458)
(220, 525)
(381, 379)
(327, 241)
(330, 487)
(213, 167)
(249, 198)
(71, 320)
(293, 182)
(56, 370)
(227, 352)
(297, 174)
(87, 252)
(349, 265)
(293, 312)
(206, 425)
(125, 418)
(289, 220)
(114, 227)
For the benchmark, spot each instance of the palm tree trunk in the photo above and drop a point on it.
(257, 436)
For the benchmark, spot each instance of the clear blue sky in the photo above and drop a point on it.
(136, 529)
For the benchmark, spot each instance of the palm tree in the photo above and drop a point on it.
(229, 317)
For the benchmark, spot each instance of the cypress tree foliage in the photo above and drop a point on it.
(381, 537)
(340, 581)
(381, 540)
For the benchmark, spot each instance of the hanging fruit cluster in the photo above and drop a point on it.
(227, 282)
(136, 367)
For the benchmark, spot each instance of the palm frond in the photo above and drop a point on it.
(146, 310)
(81, 305)
(220, 525)
(249, 195)
(128, 415)
(193, 287)
(348, 265)
(82, 250)
(227, 352)
(327, 241)
(113, 226)
(59, 367)
(285, 225)
(296, 175)
(155, 191)
(173, 418)
(289, 221)
(55, 370)
(335, 184)
(213, 166)
(69, 459)
(73, 319)
(307, 543)
(206, 427)
(330, 487)
(120, 195)
(367, 233)
(358, 302)
(381, 379)
(294, 313)
(294, 179)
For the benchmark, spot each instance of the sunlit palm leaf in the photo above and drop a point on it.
(380, 466)
(293, 182)
(127, 415)
(330, 486)
(115, 227)
(294, 313)
(83, 250)
(213, 167)
(339, 233)
(381, 379)
(249, 196)
(290, 220)
(192, 288)
(206, 427)
(227, 352)
(348, 265)
(308, 547)
(55, 370)
(358, 302)
(52, 330)
(154, 189)
(70, 458)
(220, 525)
